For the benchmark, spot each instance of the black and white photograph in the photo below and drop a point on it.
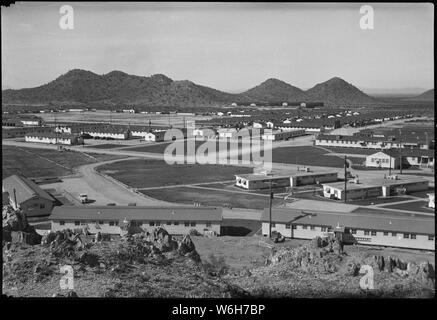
(211, 150)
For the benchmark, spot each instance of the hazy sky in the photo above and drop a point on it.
(230, 47)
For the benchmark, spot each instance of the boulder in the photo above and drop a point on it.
(412, 269)
(390, 264)
(186, 245)
(379, 263)
(427, 272)
(353, 269)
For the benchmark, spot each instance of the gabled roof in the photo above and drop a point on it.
(52, 135)
(25, 189)
(136, 213)
(369, 221)
(409, 152)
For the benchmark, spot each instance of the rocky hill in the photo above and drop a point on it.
(152, 265)
(336, 92)
(116, 87)
(274, 90)
(426, 96)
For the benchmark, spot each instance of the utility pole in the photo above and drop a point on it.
(345, 179)
(270, 210)
(389, 166)
(400, 153)
(15, 199)
(56, 129)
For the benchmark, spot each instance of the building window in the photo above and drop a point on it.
(42, 206)
(208, 224)
(431, 238)
(353, 231)
(168, 223)
(193, 224)
(294, 227)
(287, 226)
(77, 223)
(100, 222)
(386, 233)
(62, 223)
(373, 233)
(158, 223)
(323, 229)
(304, 227)
(111, 223)
(176, 223)
(406, 236)
(413, 236)
(151, 223)
(313, 228)
(366, 232)
(393, 234)
(187, 224)
(273, 224)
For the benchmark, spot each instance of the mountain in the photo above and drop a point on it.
(118, 87)
(336, 91)
(426, 96)
(274, 90)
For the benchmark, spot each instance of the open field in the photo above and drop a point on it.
(306, 155)
(157, 173)
(32, 162)
(160, 147)
(189, 195)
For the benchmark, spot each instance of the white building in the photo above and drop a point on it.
(31, 122)
(363, 228)
(374, 188)
(110, 219)
(258, 125)
(431, 200)
(27, 195)
(154, 136)
(310, 129)
(205, 133)
(408, 157)
(262, 181)
(282, 135)
(367, 142)
(227, 133)
(111, 132)
(53, 138)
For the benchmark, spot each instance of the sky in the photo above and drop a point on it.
(230, 47)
